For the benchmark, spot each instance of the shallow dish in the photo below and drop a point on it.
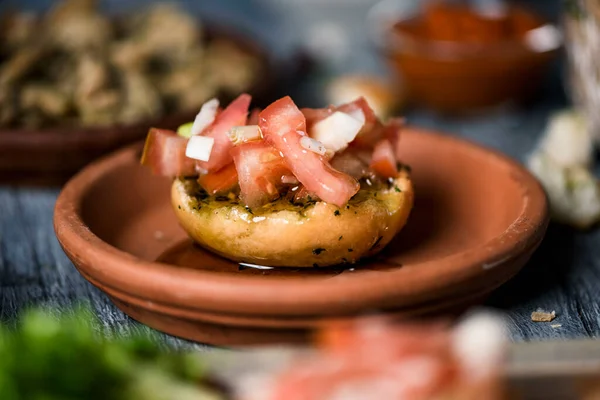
(477, 219)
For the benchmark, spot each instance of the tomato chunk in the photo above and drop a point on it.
(372, 129)
(373, 359)
(384, 159)
(314, 115)
(391, 132)
(164, 153)
(253, 118)
(221, 181)
(283, 125)
(260, 169)
(235, 114)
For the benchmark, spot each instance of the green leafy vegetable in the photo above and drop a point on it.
(61, 358)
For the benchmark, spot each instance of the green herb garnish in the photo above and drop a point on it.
(62, 358)
(185, 130)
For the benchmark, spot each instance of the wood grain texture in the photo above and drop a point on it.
(563, 275)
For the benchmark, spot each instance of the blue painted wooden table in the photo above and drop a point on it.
(564, 274)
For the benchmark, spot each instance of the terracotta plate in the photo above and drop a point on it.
(50, 156)
(478, 217)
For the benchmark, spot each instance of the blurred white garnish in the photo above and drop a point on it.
(199, 147)
(479, 343)
(382, 96)
(337, 130)
(244, 134)
(313, 145)
(328, 42)
(492, 9)
(545, 38)
(568, 140)
(562, 164)
(573, 192)
(205, 117)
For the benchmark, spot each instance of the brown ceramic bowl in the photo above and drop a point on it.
(50, 156)
(477, 219)
(456, 77)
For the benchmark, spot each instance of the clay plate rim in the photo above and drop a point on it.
(250, 295)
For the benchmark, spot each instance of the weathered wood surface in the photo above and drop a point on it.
(563, 276)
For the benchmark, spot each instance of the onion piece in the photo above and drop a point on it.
(244, 134)
(289, 180)
(199, 147)
(337, 130)
(358, 114)
(205, 117)
(313, 145)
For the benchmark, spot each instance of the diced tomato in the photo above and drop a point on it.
(164, 153)
(372, 359)
(260, 168)
(283, 125)
(350, 163)
(221, 181)
(384, 159)
(253, 118)
(314, 115)
(391, 132)
(371, 132)
(235, 114)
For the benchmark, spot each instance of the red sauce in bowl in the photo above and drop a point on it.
(456, 60)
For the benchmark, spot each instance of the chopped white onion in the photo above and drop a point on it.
(289, 180)
(205, 117)
(357, 114)
(337, 130)
(199, 147)
(244, 134)
(479, 343)
(313, 145)
(545, 38)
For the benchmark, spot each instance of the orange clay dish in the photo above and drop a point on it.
(441, 21)
(285, 187)
(457, 58)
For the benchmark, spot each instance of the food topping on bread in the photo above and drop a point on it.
(284, 186)
(281, 151)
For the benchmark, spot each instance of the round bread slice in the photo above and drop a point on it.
(281, 234)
